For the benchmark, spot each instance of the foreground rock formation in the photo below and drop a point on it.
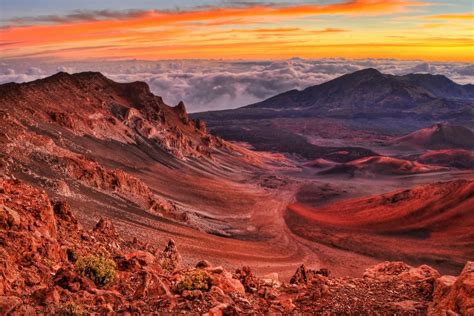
(50, 264)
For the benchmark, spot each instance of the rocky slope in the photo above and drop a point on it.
(438, 136)
(51, 265)
(92, 140)
(376, 166)
(425, 224)
(457, 158)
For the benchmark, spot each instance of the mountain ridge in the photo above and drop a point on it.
(364, 93)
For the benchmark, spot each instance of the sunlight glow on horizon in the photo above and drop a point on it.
(402, 29)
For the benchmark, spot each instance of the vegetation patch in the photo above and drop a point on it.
(194, 280)
(99, 269)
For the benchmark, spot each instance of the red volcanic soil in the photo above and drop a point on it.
(53, 266)
(431, 223)
(117, 151)
(437, 137)
(380, 165)
(457, 158)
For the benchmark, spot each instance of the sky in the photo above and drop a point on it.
(428, 30)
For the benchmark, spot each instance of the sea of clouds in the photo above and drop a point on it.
(215, 85)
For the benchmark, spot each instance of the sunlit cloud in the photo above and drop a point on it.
(459, 16)
(247, 30)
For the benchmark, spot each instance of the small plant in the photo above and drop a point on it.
(99, 269)
(194, 280)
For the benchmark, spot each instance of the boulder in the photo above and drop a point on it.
(170, 259)
(455, 295)
(248, 279)
(225, 281)
(203, 264)
(399, 270)
(305, 276)
(105, 227)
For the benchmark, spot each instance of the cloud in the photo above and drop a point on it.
(423, 68)
(201, 31)
(215, 85)
(466, 70)
(78, 16)
(235, 9)
(458, 16)
(34, 71)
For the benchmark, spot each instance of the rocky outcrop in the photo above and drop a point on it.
(454, 296)
(89, 104)
(51, 265)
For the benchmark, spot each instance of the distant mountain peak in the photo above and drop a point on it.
(367, 71)
(370, 93)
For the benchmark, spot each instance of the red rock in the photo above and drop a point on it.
(400, 270)
(47, 296)
(8, 304)
(227, 283)
(62, 209)
(457, 296)
(72, 281)
(287, 305)
(151, 286)
(248, 279)
(203, 264)
(170, 259)
(304, 276)
(144, 258)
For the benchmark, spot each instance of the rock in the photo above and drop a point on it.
(106, 227)
(304, 276)
(72, 281)
(144, 258)
(272, 276)
(423, 272)
(182, 113)
(203, 264)
(442, 286)
(248, 279)
(8, 304)
(227, 283)
(216, 270)
(46, 296)
(217, 310)
(151, 287)
(324, 290)
(63, 211)
(457, 296)
(399, 270)
(287, 305)
(11, 217)
(299, 277)
(406, 307)
(170, 259)
(200, 125)
(192, 294)
(386, 270)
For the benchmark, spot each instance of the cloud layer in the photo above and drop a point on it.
(215, 85)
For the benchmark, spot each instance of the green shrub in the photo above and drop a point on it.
(194, 280)
(99, 269)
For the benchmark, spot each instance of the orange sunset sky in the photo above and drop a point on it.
(403, 29)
